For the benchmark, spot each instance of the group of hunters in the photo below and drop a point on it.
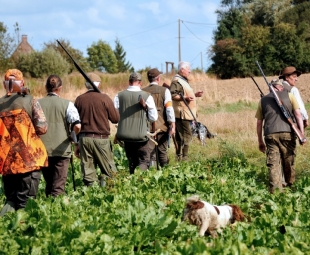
(36, 135)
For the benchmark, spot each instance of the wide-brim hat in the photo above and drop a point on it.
(288, 71)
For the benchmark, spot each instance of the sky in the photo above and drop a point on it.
(147, 30)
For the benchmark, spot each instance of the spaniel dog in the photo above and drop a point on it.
(210, 218)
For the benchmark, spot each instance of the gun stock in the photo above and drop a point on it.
(80, 69)
(300, 135)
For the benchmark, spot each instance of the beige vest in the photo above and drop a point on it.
(180, 108)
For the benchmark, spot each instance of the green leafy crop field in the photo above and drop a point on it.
(142, 213)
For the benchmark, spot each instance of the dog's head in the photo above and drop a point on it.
(192, 204)
(237, 214)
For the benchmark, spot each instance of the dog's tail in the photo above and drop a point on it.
(237, 213)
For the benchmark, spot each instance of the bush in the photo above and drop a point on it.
(41, 64)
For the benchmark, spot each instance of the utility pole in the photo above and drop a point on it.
(179, 40)
(201, 62)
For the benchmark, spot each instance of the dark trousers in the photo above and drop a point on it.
(55, 175)
(138, 154)
(18, 188)
(183, 136)
(162, 148)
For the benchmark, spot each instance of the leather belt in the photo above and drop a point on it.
(94, 135)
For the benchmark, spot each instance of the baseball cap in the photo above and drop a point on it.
(13, 72)
(135, 77)
(153, 73)
(94, 77)
(276, 82)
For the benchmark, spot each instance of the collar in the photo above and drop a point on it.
(133, 88)
(181, 77)
(52, 94)
(154, 83)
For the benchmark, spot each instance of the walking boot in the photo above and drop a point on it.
(185, 153)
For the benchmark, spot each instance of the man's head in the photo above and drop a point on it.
(153, 75)
(276, 83)
(13, 81)
(290, 75)
(94, 78)
(135, 79)
(184, 69)
(53, 83)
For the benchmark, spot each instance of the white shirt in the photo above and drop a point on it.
(151, 107)
(302, 107)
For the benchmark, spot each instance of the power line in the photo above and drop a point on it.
(152, 44)
(197, 23)
(194, 34)
(147, 30)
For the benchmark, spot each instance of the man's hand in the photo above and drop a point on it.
(188, 98)
(172, 129)
(262, 147)
(199, 93)
(77, 151)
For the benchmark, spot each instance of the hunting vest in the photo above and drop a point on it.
(275, 121)
(181, 111)
(158, 93)
(287, 86)
(22, 150)
(55, 109)
(133, 120)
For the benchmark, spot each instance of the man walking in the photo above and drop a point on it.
(94, 147)
(136, 108)
(183, 113)
(166, 119)
(280, 140)
(290, 77)
(22, 152)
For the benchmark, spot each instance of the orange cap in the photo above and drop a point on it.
(13, 72)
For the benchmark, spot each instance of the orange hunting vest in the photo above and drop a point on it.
(21, 149)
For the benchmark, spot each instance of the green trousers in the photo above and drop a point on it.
(96, 152)
(280, 151)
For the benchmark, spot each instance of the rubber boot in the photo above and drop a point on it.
(8, 207)
(185, 153)
(179, 153)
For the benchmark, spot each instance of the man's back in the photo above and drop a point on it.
(95, 110)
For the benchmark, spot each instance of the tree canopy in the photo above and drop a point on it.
(7, 46)
(274, 32)
(120, 54)
(102, 58)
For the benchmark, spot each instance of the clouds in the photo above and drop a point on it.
(148, 30)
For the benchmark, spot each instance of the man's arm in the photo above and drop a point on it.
(113, 113)
(259, 131)
(73, 118)
(38, 118)
(299, 120)
(151, 109)
(169, 112)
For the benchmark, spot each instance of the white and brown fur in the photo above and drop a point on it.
(210, 218)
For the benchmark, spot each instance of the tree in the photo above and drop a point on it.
(120, 54)
(76, 54)
(7, 46)
(101, 57)
(40, 64)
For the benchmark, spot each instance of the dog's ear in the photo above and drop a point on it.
(237, 213)
(195, 205)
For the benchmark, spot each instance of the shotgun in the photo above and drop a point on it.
(80, 69)
(301, 137)
(261, 93)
